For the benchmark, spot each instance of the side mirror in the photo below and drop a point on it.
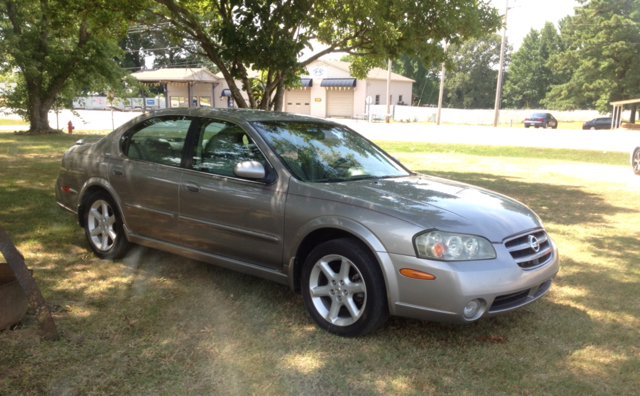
(256, 171)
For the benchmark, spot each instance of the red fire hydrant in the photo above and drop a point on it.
(70, 127)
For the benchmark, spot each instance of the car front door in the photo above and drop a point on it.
(225, 215)
(147, 176)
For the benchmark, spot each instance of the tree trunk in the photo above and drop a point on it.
(39, 113)
(278, 104)
(632, 118)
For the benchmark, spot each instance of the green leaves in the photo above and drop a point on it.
(530, 76)
(57, 46)
(602, 60)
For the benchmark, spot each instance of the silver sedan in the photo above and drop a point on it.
(311, 204)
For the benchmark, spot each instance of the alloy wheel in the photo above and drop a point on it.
(337, 290)
(101, 221)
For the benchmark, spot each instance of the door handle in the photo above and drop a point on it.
(192, 187)
(117, 172)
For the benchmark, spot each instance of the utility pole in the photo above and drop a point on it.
(499, 87)
(441, 89)
(386, 118)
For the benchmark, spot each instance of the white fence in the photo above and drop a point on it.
(477, 117)
(101, 103)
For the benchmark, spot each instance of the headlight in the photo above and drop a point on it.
(440, 245)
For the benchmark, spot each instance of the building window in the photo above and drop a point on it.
(377, 99)
(178, 101)
(400, 99)
(205, 101)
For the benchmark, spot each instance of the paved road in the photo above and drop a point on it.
(414, 132)
(465, 134)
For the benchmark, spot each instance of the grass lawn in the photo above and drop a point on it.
(156, 323)
(12, 121)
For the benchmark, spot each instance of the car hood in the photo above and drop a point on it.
(432, 202)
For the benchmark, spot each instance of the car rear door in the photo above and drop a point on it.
(226, 215)
(147, 176)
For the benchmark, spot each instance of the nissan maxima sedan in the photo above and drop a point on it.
(311, 204)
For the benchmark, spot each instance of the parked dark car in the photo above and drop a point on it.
(543, 120)
(311, 204)
(598, 123)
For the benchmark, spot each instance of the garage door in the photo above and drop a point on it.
(299, 101)
(339, 103)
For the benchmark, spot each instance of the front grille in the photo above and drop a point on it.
(514, 300)
(522, 249)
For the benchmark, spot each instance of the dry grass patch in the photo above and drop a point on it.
(155, 323)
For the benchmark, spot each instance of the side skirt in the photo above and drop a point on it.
(210, 258)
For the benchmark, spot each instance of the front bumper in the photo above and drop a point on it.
(499, 284)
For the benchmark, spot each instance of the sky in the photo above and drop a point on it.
(524, 15)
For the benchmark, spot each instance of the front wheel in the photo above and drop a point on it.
(636, 161)
(555, 126)
(343, 288)
(103, 227)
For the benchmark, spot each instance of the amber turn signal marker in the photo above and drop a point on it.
(411, 273)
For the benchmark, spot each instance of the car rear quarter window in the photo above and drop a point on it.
(159, 140)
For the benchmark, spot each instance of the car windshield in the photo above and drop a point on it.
(317, 152)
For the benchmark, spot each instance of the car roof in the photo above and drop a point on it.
(239, 115)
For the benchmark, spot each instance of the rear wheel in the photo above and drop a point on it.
(103, 227)
(343, 288)
(526, 126)
(636, 161)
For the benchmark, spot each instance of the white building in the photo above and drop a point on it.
(328, 89)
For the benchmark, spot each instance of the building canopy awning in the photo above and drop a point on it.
(226, 92)
(338, 82)
(306, 82)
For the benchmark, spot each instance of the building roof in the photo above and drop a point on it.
(624, 102)
(374, 74)
(183, 75)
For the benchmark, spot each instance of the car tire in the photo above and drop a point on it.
(635, 162)
(555, 126)
(545, 125)
(103, 227)
(343, 288)
(527, 126)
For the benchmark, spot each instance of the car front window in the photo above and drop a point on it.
(317, 152)
(221, 145)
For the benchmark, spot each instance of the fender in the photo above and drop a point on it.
(104, 184)
(359, 231)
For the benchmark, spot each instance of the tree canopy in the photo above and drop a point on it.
(57, 46)
(602, 56)
(530, 77)
(472, 84)
(269, 36)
